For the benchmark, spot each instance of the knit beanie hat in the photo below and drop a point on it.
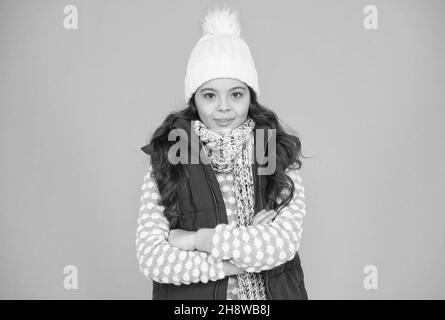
(220, 53)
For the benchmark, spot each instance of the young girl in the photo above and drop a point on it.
(225, 228)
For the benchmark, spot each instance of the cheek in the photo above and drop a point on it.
(243, 106)
(204, 109)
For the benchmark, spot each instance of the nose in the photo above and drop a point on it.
(223, 106)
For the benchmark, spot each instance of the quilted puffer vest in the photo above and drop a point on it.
(202, 206)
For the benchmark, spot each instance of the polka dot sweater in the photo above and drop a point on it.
(223, 251)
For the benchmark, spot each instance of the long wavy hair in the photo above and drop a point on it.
(172, 178)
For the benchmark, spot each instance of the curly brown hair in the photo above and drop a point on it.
(172, 178)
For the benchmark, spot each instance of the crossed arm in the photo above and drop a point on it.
(214, 253)
(158, 259)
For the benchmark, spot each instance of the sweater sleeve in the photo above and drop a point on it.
(162, 262)
(259, 247)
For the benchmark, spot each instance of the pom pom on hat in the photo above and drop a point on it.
(220, 53)
(221, 22)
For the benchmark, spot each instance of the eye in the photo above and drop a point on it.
(240, 94)
(208, 93)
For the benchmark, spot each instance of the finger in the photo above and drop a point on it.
(274, 215)
(261, 212)
(258, 216)
(269, 217)
(264, 215)
(265, 212)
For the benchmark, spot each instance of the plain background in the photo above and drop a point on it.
(77, 105)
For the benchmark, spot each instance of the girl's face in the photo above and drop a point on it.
(223, 103)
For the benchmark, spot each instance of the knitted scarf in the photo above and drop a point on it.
(232, 150)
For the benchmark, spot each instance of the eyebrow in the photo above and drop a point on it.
(212, 89)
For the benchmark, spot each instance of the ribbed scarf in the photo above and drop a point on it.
(232, 150)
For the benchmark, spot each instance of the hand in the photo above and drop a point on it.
(234, 270)
(264, 217)
(182, 239)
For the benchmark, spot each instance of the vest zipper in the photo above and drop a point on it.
(217, 221)
(214, 199)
